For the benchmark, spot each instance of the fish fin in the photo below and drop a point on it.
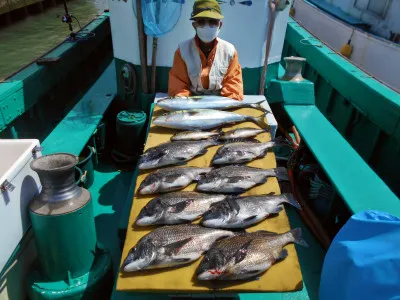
(249, 218)
(202, 152)
(239, 231)
(260, 121)
(181, 158)
(282, 255)
(239, 190)
(215, 140)
(234, 179)
(276, 210)
(281, 141)
(184, 221)
(200, 177)
(179, 207)
(258, 105)
(182, 260)
(233, 204)
(174, 248)
(265, 152)
(241, 140)
(171, 178)
(296, 233)
(242, 252)
(281, 174)
(290, 200)
(267, 233)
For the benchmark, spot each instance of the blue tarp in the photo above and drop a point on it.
(363, 261)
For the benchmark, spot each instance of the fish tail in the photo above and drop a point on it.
(258, 105)
(282, 174)
(290, 199)
(281, 141)
(260, 121)
(296, 233)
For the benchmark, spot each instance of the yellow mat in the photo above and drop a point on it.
(284, 276)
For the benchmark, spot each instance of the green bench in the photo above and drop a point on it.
(359, 186)
(75, 130)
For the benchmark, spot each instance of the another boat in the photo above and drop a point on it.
(365, 32)
(348, 121)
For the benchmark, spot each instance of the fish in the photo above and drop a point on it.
(242, 212)
(176, 208)
(221, 252)
(236, 258)
(240, 133)
(242, 152)
(203, 119)
(196, 135)
(170, 246)
(237, 178)
(206, 102)
(174, 153)
(170, 179)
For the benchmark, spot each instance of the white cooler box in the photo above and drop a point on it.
(18, 185)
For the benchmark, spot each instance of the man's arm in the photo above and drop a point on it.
(179, 81)
(232, 85)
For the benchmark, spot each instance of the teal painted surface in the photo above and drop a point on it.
(363, 110)
(359, 89)
(301, 93)
(353, 179)
(110, 196)
(75, 130)
(9, 109)
(88, 286)
(63, 253)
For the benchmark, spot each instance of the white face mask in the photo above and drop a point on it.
(207, 33)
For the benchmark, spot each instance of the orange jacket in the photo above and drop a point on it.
(179, 81)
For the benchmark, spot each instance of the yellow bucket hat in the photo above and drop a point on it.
(206, 9)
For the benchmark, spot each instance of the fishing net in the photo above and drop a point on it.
(160, 16)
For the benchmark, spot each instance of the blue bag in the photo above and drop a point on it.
(363, 261)
(160, 16)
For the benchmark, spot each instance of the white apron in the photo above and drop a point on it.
(191, 56)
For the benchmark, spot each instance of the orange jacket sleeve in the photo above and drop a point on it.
(232, 85)
(179, 81)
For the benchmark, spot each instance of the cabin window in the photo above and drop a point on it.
(376, 7)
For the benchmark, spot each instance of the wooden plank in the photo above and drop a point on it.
(180, 280)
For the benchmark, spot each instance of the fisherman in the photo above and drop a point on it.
(206, 64)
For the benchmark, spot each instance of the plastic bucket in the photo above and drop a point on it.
(86, 164)
(130, 127)
(78, 176)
